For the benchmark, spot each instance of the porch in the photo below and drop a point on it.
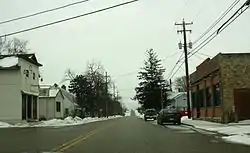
(29, 107)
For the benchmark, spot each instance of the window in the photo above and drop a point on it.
(216, 91)
(194, 99)
(34, 76)
(26, 73)
(201, 98)
(58, 106)
(208, 97)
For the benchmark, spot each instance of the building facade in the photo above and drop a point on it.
(51, 103)
(220, 88)
(55, 102)
(19, 87)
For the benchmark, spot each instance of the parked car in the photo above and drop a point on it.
(150, 114)
(169, 115)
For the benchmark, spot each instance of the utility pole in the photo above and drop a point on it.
(183, 24)
(106, 82)
(113, 104)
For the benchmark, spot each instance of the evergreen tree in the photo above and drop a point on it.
(152, 89)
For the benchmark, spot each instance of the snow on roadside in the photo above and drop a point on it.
(68, 121)
(242, 139)
(235, 132)
(128, 113)
(4, 125)
(138, 115)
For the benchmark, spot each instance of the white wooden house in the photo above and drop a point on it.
(55, 102)
(19, 87)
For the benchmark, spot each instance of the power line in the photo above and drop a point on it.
(220, 30)
(176, 64)
(42, 12)
(176, 70)
(202, 58)
(71, 18)
(216, 33)
(170, 56)
(135, 72)
(218, 20)
(206, 55)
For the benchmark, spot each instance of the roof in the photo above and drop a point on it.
(175, 95)
(8, 61)
(28, 57)
(49, 91)
(53, 92)
(68, 95)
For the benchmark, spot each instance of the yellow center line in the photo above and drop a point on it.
(69, 142)
(76, 140)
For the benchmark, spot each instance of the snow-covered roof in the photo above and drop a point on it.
(8, 61)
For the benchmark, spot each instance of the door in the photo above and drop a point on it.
(24, 97)
(29, 107)
(242, 103)
(34, 107)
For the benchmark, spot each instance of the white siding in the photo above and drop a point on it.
(28, 83)
(181, 101)
(50, 108)
(47, 107)
(10, 95)
(42, 107)
(69, 105)
(59, 98)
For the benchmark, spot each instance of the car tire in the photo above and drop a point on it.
(145, 119)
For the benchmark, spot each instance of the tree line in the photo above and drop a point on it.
(93, 91)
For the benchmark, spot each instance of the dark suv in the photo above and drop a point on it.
(169, 115)
(150, 114)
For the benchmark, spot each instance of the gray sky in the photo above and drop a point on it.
(119, 37)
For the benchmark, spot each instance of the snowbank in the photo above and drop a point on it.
(236, 132)
(137, 114)
(242, 139)
(68, 121)
(128, 113)
(4, 125)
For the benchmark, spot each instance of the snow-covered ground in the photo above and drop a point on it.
(137, 114)
(235, 132)
(68, 121)
(128, 113)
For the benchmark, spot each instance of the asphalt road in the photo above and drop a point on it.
(123, 135)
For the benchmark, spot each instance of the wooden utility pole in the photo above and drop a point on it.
(106, 83)
(183, 24)
(113, 104)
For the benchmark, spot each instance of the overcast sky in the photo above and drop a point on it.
(118, 38)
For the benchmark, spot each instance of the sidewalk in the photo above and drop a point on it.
(234, 132)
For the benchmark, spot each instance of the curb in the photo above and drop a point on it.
(195, 128)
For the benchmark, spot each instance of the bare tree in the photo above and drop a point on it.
(180, 84)
(13, 46)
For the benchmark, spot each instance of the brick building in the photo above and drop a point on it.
(220, 88)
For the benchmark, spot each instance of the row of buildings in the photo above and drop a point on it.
(220, 89)
(23, 98)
